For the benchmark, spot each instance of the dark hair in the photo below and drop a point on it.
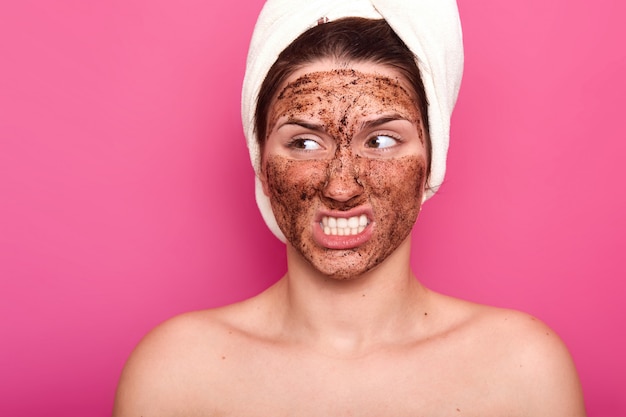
(343, 40)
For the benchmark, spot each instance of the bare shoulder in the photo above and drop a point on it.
(545, 369)
(185, 351)
(528, 355)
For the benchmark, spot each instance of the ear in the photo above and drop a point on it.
(263, 178)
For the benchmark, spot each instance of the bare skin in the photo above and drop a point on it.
(347, 332)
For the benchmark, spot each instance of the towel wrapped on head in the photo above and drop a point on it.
(431, 29)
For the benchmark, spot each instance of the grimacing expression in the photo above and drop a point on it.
(344, 167)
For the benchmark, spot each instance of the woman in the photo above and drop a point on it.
(348, 139)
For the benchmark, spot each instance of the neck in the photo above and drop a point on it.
(350, 316)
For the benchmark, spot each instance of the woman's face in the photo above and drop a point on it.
(344, 165)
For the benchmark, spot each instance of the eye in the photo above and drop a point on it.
(304, 144)
(381, 141)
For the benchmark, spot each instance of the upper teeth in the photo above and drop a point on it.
(340, 226)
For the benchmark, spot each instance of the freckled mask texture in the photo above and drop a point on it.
(430, 28)
(392, 187)
(341, 98)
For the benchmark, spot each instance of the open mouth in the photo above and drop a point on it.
(341, 226)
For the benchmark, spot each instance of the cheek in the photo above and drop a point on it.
(291, 185)
(396, 188)
(287, 178)
(406, 175)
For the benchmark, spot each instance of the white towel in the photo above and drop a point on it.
(430, 28)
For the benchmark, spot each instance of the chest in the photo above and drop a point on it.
(392, 384)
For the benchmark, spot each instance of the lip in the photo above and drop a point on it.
(343, 242)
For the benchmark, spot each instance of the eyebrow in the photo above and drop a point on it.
(316, 127)
(382, 120)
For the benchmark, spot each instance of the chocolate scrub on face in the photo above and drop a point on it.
(341, 100)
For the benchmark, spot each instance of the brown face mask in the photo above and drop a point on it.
(344, 168)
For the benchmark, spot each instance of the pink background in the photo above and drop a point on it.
(126, 195)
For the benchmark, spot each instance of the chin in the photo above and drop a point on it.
(342, 267)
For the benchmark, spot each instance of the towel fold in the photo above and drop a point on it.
(430, 28)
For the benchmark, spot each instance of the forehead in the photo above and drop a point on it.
(360, 86)
(369, 68)
(342, 83)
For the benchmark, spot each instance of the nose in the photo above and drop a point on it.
(342, 181)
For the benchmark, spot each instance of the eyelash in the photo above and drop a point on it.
(296, 144)
(390, 135)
